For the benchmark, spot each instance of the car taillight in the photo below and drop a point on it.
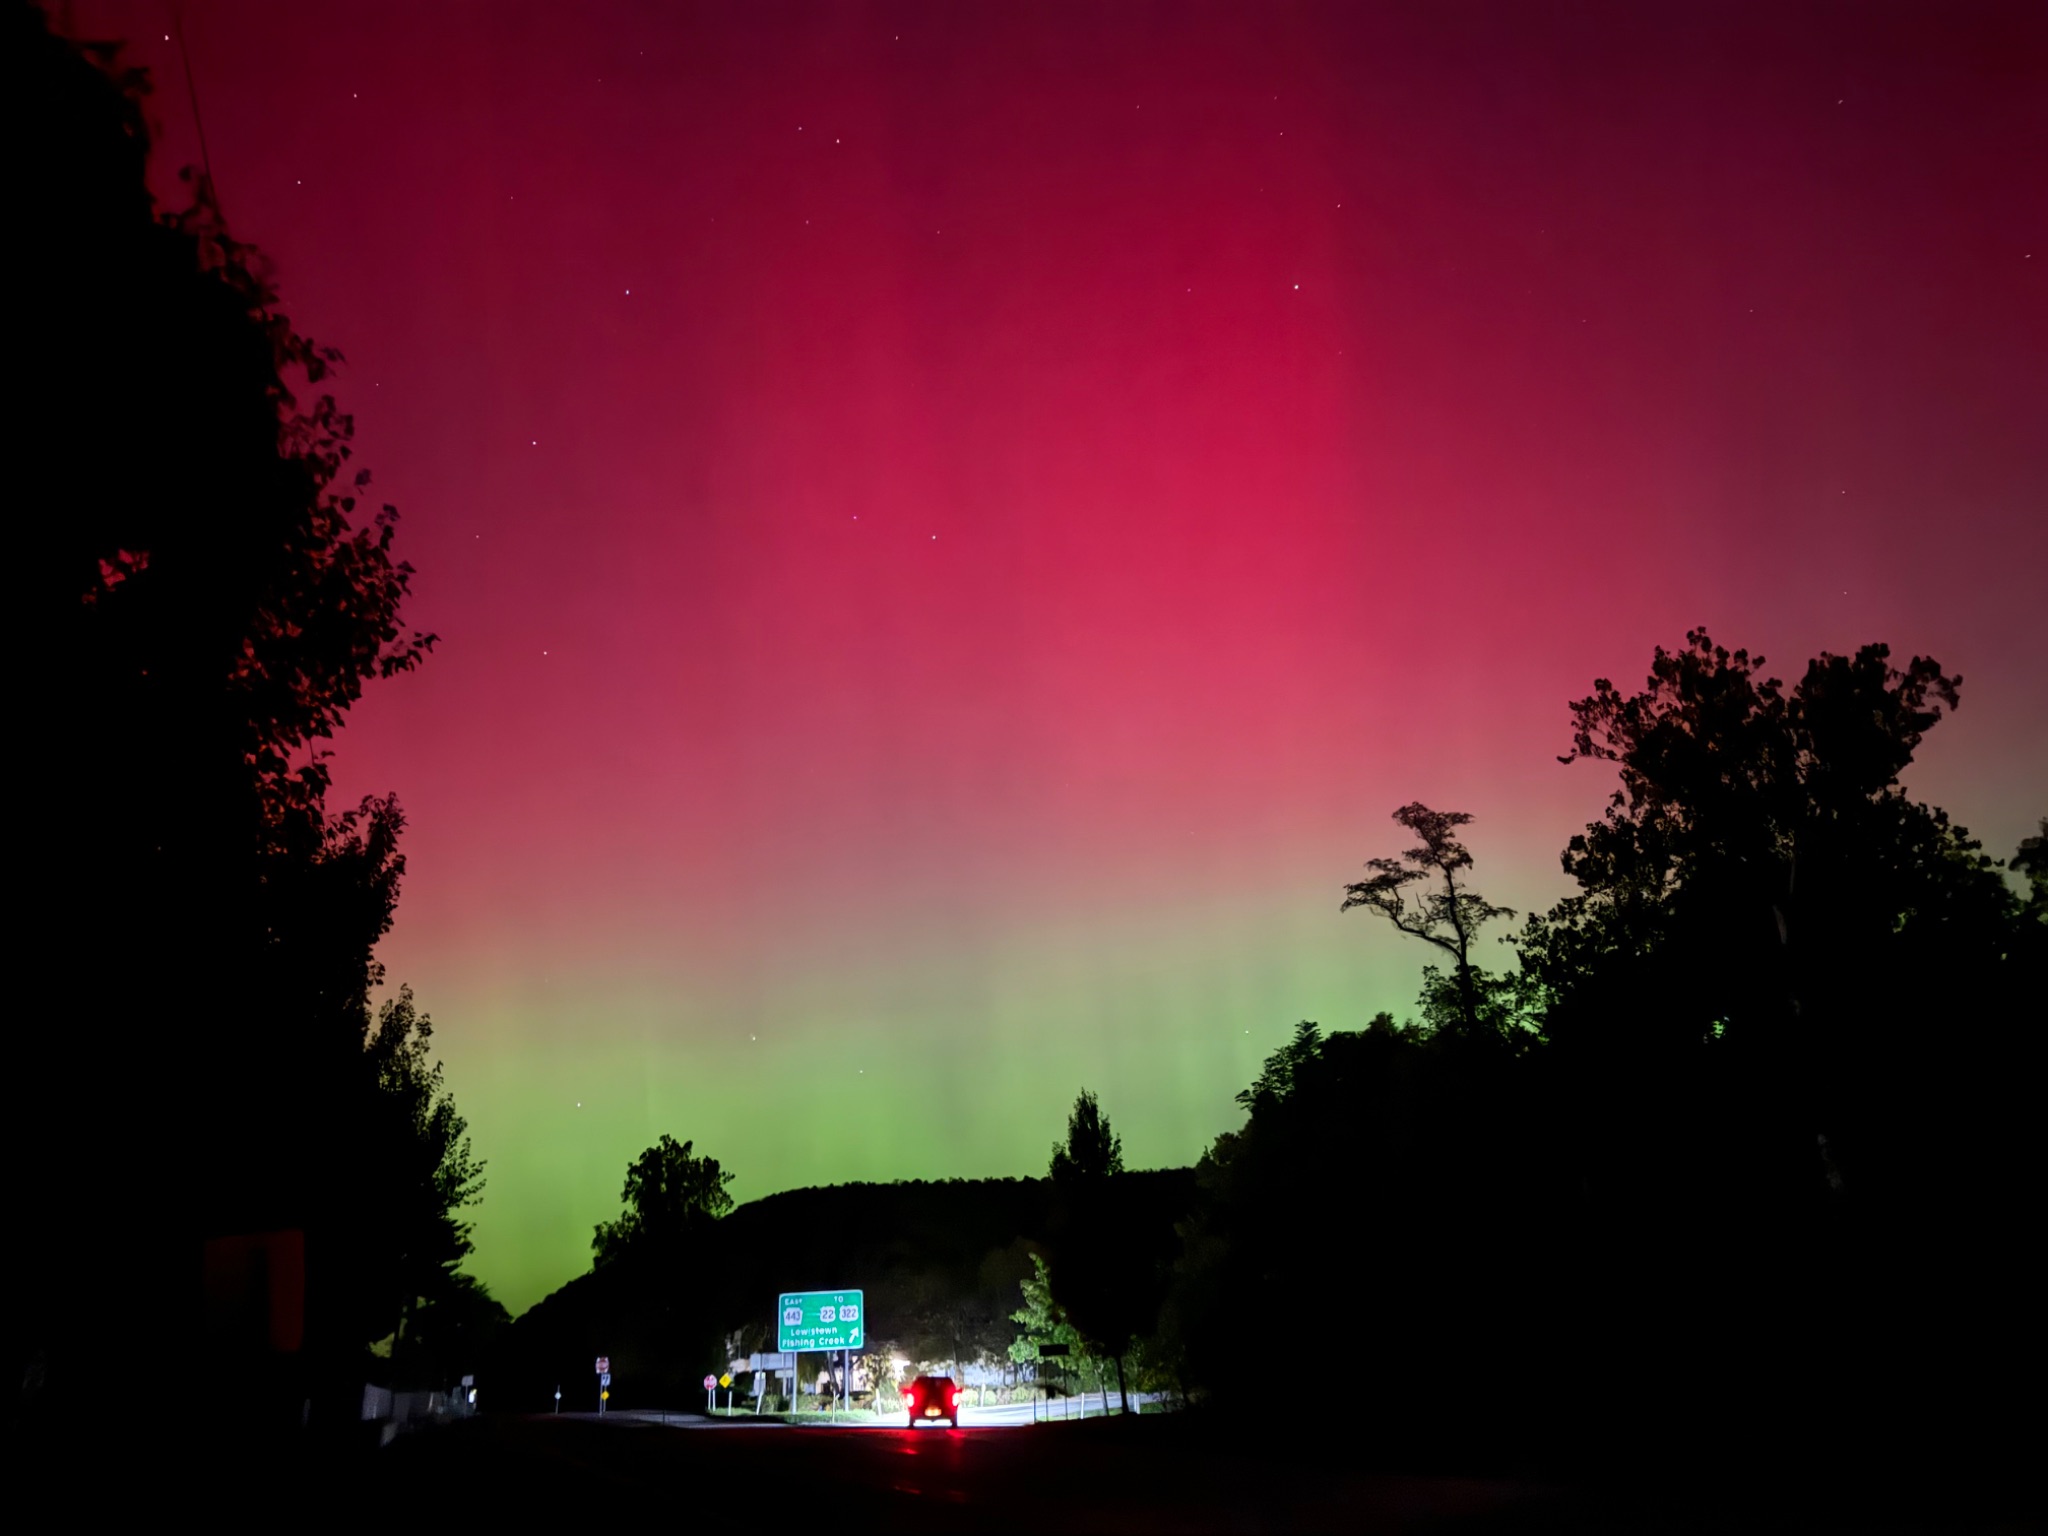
(952, 1399)
(909, 1396)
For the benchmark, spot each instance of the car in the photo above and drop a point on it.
(933, 1400)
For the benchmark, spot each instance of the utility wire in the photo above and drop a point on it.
(212, 191)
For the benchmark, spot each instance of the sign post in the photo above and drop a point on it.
(781, 1365)
(821, 1320)
(1052, 1352)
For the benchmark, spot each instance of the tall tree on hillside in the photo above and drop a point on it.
(1106, 1292)
(652, 1271)
(1092, 1153)
(1449, 918)
(671, 1198)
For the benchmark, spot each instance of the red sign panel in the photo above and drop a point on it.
(604, 1363)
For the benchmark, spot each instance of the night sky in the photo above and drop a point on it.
(952, 526)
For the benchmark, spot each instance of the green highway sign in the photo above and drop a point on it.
(821, 1320)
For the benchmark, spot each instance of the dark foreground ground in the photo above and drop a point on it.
(1172, 1473)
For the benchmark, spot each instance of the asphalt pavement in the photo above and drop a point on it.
(1134, 1474)
(1066, 1410)
(1146, 1473)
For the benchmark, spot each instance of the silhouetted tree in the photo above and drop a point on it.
(671, 1198)
(1091, 1155)
(1449, 918)
(2032, 862)
(650, 1300)
(415, 1175)
(208, 599)
(1384, 1188)
(1761, 1153)
(1108, 1285)
(1761, 887)
(1784, 1035)
(2027, 962)
(453, 1333)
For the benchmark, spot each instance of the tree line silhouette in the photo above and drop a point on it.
(1734, 1149)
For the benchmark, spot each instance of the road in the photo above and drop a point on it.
(1137, 1474)
(1082, 1405)
(1151, 1473)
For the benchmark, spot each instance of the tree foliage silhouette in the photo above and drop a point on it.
(1107, 1285)
(1387, 1186)
(1764, 1141)
(1449, 918)
(1761, 880)
(671, 1197)
(209, 595)
(417, 1171)
(1092, 1153)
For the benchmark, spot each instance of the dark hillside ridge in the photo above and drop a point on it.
(937, 1260)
